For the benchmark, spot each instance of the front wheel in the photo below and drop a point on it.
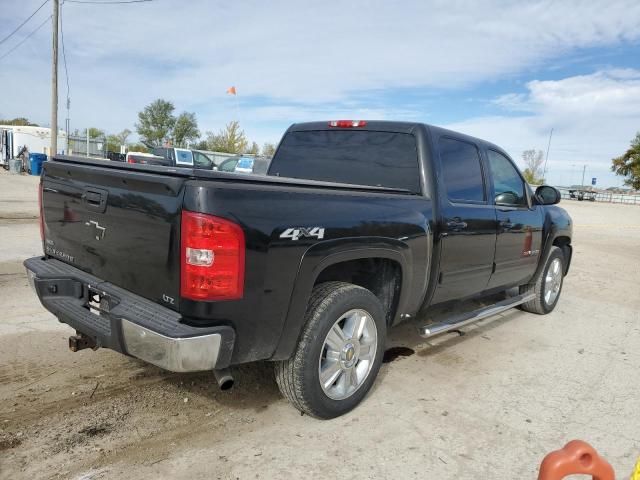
(547, 285)
(339, 352)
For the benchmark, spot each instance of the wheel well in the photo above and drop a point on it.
(565, 245)
(383, 277)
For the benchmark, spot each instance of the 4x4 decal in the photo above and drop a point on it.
(297, 232)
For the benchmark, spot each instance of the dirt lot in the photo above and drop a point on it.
(488, 404)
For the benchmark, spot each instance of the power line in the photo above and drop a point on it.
(27, 37)
(108, 2)
(22, 24)
(64, 58)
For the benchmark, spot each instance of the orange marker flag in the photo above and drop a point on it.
(231, 90)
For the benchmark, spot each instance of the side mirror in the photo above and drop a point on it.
(548, 195)
(506, 198)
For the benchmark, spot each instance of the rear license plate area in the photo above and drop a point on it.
(99, 302)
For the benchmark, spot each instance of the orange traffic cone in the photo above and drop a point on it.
(577, 457)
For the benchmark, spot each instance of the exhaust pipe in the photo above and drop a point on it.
(224, 378)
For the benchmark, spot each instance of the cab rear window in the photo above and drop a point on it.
(364, 157)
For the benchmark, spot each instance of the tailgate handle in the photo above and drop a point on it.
(95, 199)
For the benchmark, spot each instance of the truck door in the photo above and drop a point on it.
(467, 222)
(519, 239)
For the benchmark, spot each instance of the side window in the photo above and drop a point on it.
(507, 183)
(201, 160)
(461, 170)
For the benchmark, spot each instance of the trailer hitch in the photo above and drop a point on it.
(80, 341)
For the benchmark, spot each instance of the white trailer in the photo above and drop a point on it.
(36, 139)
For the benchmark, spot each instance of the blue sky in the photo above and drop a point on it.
(504, 71)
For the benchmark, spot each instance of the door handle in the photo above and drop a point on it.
(456, 224)
(95, 199)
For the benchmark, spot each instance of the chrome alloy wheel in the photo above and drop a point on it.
(347, 354)
(553, 281)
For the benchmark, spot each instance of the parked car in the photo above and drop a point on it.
(145, 159)
(182, 157)
(257, 165)
(116, 156)
(202, 160)
(357, 227)
(229, 165)
(261, 165)
(244, 165)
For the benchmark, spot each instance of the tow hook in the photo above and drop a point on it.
(80, 342)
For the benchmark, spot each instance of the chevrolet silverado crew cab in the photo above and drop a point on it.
(356, 227)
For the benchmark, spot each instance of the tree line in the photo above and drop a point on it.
(157, 125)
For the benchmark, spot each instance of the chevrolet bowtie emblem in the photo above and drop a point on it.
(98, 231)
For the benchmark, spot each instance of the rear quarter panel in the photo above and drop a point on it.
(557, 223)
(280, 272)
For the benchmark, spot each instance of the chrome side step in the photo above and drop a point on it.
(467, 318)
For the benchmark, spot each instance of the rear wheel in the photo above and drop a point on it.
(547, 285)
(339, 353)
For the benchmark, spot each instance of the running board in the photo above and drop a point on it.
(467, 318)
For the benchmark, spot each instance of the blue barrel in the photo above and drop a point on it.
(35, 162)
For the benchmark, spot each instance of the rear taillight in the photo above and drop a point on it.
(212, 258)
(347, 123)
(41, 211)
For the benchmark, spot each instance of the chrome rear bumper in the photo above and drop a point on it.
(128, 323)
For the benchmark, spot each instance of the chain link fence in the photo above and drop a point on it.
(95, 147)
(598, 196)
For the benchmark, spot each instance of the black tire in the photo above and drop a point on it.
(539, 305)
(298, 377)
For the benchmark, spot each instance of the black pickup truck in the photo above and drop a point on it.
(356, 227)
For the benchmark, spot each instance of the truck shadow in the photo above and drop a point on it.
(255, 388)
(404, 340)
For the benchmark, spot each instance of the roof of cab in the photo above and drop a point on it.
(391, 126)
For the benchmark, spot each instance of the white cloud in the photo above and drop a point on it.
(615, 90)
(294, 60)
(594, 118)
(122, 56)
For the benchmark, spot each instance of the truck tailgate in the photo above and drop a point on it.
(120, 226)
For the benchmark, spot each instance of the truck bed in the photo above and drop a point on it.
(221, 176)
(121, 223)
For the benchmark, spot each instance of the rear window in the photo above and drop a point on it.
(380, 159)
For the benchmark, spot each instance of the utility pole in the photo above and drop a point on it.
(67, 126)
(54, 80)
(584, 168)
(544, 170)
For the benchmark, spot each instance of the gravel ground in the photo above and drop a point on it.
(488, 404)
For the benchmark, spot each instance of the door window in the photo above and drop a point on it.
(461, 171)
(507, 183)
(201, 160)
